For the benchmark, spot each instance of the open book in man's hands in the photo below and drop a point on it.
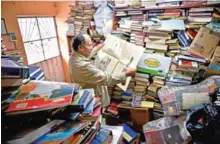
(117, 56)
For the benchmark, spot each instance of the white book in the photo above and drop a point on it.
(156, 46)
(141, 75)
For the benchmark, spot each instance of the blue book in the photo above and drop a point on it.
(84, 100)
(10, 69)
(129, 134)
(102, 137)
(87, 96)
(38, 75)
(183, 39)
(126, 93)
(89, 108)
(33, 70)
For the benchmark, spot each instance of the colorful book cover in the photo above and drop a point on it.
(42, 94)
(63, 132)
(156, 65)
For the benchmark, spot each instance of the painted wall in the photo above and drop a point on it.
(11, 10)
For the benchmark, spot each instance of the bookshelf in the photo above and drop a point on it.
(170, 7)
(158, 8)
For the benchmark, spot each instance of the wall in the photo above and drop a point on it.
(63, 10)
(11, 10)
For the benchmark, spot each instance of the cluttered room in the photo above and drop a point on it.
(110, 72)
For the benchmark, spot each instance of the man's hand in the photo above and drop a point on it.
(101, 45)
(130, 72)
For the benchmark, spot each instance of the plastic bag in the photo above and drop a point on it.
(203, 121)
(166, 130)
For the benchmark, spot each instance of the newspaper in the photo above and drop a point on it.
(117, 56)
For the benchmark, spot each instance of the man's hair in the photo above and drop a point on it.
(78, 40)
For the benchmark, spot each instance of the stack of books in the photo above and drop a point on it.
(142, 82)
(194, 2)
(148, 3)
(199, 16)
(167, 3)
(137, 38)
(81, 15)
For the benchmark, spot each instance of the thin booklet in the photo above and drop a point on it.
(117, 56)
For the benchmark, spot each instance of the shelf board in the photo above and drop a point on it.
(170, 7)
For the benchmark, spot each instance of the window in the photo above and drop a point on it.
(39, 37)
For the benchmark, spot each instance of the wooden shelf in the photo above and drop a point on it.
(170, 7)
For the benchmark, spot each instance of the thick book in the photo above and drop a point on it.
(154, 64)
(129, 134)
(31, 134)
(10, 69)
(43, 95)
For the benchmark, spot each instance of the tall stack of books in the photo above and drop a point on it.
(81, 15)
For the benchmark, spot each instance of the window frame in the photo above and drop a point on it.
(40, 35)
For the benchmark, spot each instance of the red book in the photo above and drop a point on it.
(42, 95)
(191, 33)
(113, 108)
(188, 64)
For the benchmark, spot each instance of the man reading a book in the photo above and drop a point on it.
(84, 72)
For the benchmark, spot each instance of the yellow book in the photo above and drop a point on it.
(147, 104)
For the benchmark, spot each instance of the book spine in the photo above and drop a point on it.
(182, 38)
(15, 72)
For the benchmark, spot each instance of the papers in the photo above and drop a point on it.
(117, 56)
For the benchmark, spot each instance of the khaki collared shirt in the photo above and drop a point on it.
(84, 72)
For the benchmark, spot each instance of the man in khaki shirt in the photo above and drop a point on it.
(84, 72)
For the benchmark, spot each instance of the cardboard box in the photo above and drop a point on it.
(205, 43)
(214, 66)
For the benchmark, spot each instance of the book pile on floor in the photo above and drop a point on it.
(81, 16)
